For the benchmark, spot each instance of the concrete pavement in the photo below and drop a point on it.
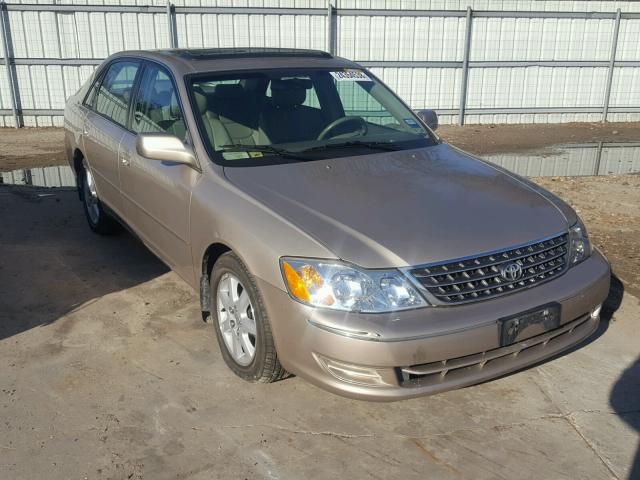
(107, 372)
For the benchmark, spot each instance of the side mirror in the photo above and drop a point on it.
(163, 147)
(430, 117)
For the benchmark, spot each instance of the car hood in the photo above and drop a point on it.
(402, 208)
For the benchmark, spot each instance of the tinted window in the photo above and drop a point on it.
(311, 98)
(302, 114)
(115, 91)
(157, 108)
(357, 102)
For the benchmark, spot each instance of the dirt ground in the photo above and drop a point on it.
(493, 139)
(31, 147)
(43, 147)
(610, 208)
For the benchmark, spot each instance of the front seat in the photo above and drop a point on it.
(215, 131)
(237, 112)
(285, 118)
(164, 115)
(173, 121)
(230, 115)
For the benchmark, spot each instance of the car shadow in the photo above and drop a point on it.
(51, 263)
(609, 307)
(625, 402)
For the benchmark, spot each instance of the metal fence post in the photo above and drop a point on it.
(612, 65)
(8, 60)
(171, 22)
(465, 67)
(331, 28)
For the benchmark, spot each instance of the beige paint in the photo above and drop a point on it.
(392, 209)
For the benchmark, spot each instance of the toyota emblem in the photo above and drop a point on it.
(511, 271)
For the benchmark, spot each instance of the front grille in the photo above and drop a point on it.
(481, 277)
(457, 369)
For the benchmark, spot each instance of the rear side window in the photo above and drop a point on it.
(114, 94)
(157, 108)
(91, 96)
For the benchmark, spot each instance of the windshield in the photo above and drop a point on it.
(301, 115)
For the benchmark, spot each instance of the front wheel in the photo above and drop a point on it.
(99, 220)
(240, 320)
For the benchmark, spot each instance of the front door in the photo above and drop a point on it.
(156, 194)
(104, 126)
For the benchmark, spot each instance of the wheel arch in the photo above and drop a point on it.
(211, 255)
(78, 157)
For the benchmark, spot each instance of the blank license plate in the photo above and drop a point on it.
(529, 324)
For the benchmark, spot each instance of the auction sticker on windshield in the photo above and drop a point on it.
(350, 76)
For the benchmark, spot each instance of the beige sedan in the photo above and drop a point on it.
(329, 232)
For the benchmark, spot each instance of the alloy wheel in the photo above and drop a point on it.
(236, 319)
(90, 196)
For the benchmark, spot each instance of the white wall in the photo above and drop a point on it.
(95, 35)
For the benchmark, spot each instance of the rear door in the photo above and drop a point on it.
(104, 126)
(156, 194)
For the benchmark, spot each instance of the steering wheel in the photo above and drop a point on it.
(359, 121)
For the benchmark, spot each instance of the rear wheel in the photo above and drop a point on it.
(240, 320)
(99, 220)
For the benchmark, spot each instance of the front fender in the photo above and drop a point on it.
(222, 213)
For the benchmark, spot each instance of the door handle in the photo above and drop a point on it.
(125, 158)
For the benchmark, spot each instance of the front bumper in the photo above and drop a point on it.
(464, 337)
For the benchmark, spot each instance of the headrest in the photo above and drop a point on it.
(228, 91)
(201, 99)
(289, 93)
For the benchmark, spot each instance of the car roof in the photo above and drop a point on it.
(199, 60)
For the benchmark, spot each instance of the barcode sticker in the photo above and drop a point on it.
(350, 76)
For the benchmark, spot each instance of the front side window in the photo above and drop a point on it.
(157, 108)
(301, 115)
(114, 94)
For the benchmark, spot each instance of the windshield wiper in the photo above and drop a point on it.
(355, 143)
(238, 147)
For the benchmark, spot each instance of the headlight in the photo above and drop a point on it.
(579, 245)
(341, 286)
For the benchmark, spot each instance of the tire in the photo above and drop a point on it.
(99, 220)
(233, 321)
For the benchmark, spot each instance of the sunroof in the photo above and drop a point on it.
(216, 53)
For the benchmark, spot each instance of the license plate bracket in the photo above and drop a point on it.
(528, 324)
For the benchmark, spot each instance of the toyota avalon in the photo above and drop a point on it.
(329, 231)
